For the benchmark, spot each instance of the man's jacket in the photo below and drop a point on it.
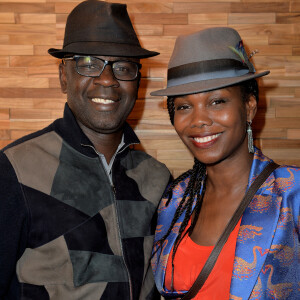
(266, 264)
(66, 231)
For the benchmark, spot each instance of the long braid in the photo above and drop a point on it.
(171, 109)
(195, 184)
(198, 205)
(197, 176)
(179, 210)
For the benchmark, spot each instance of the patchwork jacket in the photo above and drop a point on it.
(66, 231)
(266, 264)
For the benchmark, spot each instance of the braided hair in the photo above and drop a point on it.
(196, 182)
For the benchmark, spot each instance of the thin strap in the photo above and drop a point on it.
(197, 285)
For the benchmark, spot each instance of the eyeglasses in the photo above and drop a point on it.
(91, 66)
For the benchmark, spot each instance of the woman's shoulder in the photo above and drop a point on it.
(283, 173)
(286, 186)
(176, 189)
(168, 205)
(287, 181)
(288, 174)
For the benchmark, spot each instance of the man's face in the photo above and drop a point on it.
(102, 103)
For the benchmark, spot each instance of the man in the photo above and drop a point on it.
(77, 203)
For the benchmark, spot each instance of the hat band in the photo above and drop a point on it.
(206, 70)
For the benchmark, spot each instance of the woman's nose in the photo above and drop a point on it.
(200, 118)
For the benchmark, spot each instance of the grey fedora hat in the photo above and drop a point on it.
(100, 28)
(210, 59)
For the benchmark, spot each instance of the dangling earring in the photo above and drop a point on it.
(250, 138)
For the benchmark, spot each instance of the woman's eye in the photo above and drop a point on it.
(218, 101)
(182, 107)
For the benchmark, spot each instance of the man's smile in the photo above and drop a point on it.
(102, 101)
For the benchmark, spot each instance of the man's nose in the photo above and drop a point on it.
(106, 78)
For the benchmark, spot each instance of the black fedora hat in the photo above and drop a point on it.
(206, 60)
(100, 28)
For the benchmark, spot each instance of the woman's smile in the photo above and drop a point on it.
(206, 141)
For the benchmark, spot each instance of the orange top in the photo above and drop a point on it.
(189, 261)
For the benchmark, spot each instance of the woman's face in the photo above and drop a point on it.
(213, 124)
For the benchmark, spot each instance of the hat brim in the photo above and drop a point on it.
(205, 85)
(102, 48)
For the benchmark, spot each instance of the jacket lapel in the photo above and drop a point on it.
(256, 233)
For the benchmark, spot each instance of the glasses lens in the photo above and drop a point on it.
(125, 70)
(93, 67)
(89, 66)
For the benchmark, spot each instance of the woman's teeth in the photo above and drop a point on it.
(206, 139)
(100, 100)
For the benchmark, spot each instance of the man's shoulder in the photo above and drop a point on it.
(148, 161)
(33, 148)
(29, 137)
(150, 175)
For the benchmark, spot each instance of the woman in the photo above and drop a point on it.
(212, 100)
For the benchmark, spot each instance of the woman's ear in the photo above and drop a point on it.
(63, 77)
(251, 107)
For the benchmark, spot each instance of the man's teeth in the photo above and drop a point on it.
(206, 139)
(100, 100)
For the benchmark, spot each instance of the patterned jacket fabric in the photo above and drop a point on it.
(66, 231)
(266, 264)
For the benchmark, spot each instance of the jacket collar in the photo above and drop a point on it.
(69, 130)
(256, 231)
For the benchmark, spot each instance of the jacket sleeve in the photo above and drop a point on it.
(294, 200)
(13, 226)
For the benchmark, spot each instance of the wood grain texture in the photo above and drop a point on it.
(30, 95)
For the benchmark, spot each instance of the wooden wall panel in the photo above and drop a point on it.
(30, 96)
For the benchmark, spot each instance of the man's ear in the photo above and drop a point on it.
(63, 77)
(251, 108)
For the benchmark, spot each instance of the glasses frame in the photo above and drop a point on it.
(106, 63)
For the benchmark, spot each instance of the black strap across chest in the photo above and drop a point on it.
(199, 282)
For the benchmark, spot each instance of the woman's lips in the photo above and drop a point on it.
(204, 142)
(206, 138)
